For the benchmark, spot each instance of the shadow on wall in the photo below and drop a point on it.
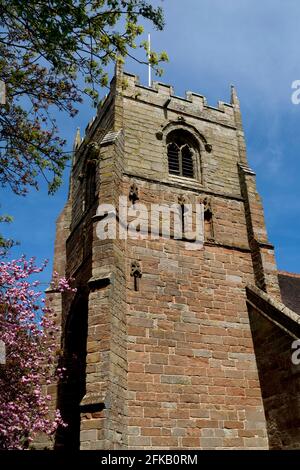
(279, 380)
(72, 387)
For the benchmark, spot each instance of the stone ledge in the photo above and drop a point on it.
(100, 281)
(199, 190)
(246, 169)
(92, 402)
(244, 249)
(109, 138)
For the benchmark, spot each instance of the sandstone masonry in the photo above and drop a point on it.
(173, 364)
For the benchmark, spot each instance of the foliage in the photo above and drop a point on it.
(27, 327)
(48, 49)
(6, 243)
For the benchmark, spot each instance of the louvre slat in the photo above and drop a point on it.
(173, 159)
(187, 163)
(180, 160)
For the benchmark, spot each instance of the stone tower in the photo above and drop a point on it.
(163, 343)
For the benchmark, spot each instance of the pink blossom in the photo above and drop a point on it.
(28, 329)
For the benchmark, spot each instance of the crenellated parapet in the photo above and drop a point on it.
(162, 95)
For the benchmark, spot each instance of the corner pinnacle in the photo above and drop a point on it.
(234, 96)
(77, 139)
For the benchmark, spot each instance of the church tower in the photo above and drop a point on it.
(157, 339)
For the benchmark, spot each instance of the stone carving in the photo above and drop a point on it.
(181, 200)
(133, 193)
(208, 221)
(208, 148)
(93, 152)
(207, 208)
(136, 273)
(92, 159)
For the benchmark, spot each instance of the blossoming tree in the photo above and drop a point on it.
(27, 327)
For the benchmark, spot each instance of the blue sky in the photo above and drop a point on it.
(211, 44)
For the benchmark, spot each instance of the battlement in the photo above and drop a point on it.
(162, 95)
(128, 86)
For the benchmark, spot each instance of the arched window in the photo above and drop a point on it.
(181, 147)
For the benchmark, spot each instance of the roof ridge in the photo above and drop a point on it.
(287, 273)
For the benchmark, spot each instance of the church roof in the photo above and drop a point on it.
(289, 284)
(276, 312)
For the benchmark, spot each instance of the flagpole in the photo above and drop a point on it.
(149, 65)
